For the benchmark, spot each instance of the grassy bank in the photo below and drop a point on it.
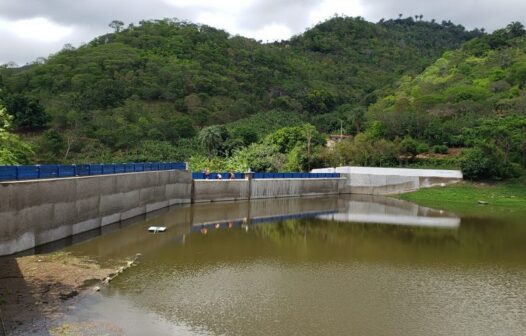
(463, 198)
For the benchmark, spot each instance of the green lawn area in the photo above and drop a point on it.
(506, 198)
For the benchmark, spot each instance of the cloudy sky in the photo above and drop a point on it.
(36, 28)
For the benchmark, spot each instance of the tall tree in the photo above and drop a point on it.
(116, 25)
(211, 138)
(28, 113)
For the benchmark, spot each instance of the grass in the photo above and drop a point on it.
(506, 198)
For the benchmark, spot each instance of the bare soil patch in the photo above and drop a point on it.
(35, 290)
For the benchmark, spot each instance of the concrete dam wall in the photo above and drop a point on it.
(234, 190)
(390, 181)
(37, 212)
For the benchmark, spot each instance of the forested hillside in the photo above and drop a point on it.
(144, 92)
(408, 92)
(471, 97)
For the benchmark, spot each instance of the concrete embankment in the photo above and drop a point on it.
(268, 188)
(389, 181)
(37, 212)
(230, 190)
(220, 190)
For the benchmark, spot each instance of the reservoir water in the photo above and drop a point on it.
(311, 266)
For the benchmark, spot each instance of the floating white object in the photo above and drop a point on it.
(156, 229)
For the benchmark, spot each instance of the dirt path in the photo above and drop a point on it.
(35, 290)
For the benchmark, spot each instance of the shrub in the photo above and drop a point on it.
(485, 161)
(440, 149)
(422, 148)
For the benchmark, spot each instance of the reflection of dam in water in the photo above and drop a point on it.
(383, 210)
(122, 237)
(354, 208)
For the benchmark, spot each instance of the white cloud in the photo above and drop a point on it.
(221, 6)
(272, 32)
(328, 8)
(36, 29)
(219, 20)
(33, 28)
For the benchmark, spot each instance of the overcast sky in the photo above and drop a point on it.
(36, 28)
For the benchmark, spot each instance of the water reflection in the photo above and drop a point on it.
(383, 210)
(124, 239)
(352, 209)
(310, 266)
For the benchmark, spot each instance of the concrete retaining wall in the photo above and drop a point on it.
(269, 188)
(230, 190)
(36, 212)
(220, 190)
(387, 181)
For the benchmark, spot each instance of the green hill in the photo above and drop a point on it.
(157, 83)
(475, 95)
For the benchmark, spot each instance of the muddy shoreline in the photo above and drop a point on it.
(36, 291)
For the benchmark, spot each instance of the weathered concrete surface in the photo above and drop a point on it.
(36, 212)
(230, 190)
(270, 188)
(220, 190)
(388, 181)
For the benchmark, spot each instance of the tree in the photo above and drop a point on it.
(13, 150)
(176, 127)
(485, 161)
(515, 29)
(408, 147)
(52, 146)
(246, 134)
(308, 133)
(28, 113)
(212, 138)
(319, 101)
(116, 25)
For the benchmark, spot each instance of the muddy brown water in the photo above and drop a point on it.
(311, 266)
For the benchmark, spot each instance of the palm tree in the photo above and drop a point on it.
(515, 29)
(211, 138)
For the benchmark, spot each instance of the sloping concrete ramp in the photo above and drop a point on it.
(389, 181)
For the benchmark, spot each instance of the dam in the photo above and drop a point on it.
(42, 204)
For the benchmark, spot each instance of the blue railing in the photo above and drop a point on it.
(225, 176)
(294, 175)
(8, 173)
(213, 176)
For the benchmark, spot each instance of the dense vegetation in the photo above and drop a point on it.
(13, 150)
(472, 97)
(171, 90)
